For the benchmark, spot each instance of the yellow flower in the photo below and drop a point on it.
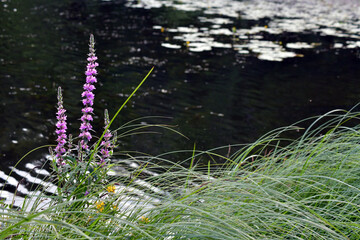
(110, 188)
(100, 206)
(144, 219)
(115, 207)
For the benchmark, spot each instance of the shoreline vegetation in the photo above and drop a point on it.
(274, 188)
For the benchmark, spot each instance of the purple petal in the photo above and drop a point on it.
(92, 58)
(88, 102)
(107, 135)
(61, 111)
(87, 110)
(86, 135)
(88, 87)
(91, 79)
(90, 72)
(85, 126)
(60, 131)
(86, 117)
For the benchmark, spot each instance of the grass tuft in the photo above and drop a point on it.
(308, 188)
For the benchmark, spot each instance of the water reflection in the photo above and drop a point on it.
(325, 18)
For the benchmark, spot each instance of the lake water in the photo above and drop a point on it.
(226, 71)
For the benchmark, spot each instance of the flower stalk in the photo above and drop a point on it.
(60, 131)
(88, 97)
(107, 146)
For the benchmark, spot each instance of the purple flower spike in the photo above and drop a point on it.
(106, 145)
(60, 130)
(88, 96)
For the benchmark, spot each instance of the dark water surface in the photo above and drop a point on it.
(225, 71)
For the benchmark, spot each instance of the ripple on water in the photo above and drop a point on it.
(338, 19)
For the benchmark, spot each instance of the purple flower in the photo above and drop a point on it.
(88, 96)
(92, 58)
(83, 144)
(88, 87)
(60, 130)
(87, 110)
(106, 144)
(86, 117)
(85, 134)
(91, 70)
(91, 79)
(85, 126)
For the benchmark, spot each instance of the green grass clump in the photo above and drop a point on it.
(307, 189)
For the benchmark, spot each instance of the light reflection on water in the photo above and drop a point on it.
(328, 18)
